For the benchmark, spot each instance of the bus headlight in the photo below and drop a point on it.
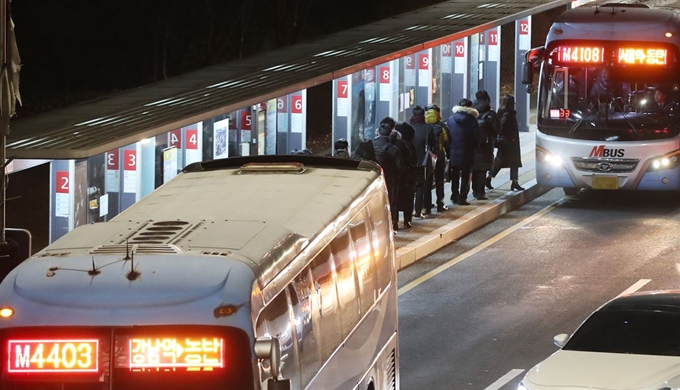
(667, 161)
(546, 157)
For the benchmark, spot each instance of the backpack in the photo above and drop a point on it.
(489, 127)
(383, 157)
(387, 160)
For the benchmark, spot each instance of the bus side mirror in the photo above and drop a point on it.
(281, 384)
(527, 72)
(269, 349)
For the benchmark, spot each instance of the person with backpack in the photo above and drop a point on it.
(423, 140)
(365, 151)
(489, 129)
(442, 142)
(389, 158)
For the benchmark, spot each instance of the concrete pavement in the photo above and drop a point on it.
(442, 228)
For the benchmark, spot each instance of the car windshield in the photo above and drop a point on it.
(603, 103)
(631, 332)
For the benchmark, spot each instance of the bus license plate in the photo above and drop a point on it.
(605, 183)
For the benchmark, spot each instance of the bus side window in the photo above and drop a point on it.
(326, 313)
(308, 336)
(365, 268)
(381, 241)
(279, 321)
(343, 257)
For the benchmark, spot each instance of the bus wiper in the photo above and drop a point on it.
(580, 120)
(623, 113)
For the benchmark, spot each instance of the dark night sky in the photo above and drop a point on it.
(77, 50)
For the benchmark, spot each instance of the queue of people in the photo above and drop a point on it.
(416, 154)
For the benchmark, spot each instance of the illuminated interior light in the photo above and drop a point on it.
(6, 312)
(668, 34)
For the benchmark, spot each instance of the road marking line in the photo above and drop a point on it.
(478, 248)
(502, 381)
(635, 287)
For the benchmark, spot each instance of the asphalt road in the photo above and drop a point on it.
(483, 310)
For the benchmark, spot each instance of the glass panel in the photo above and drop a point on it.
(323, 276)
(365, 268)
(381, 240)
(278, 319)
(307, 329)
(346, 285)
(587, 96)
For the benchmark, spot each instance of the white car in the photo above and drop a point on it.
(630, 343)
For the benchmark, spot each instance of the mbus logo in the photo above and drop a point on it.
(600, 151)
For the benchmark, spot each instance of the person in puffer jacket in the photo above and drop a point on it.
(442, 136)
(464, 140)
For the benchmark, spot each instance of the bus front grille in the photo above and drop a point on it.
(605, 165)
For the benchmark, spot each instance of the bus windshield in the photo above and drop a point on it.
(601, 102)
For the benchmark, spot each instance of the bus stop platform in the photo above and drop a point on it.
(439, 229)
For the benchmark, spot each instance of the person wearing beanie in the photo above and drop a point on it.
(423, 140)
(389, 158)
(341, 147)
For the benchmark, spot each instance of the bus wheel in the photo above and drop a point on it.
(571, 191)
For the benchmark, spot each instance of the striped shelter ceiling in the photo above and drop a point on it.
(91, 128)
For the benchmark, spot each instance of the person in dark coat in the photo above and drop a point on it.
(489, 127)
(389, 158)
(423, 141)
(365, 151)
(407, 188)
(341, 146)
(464, 140)
(509, 154)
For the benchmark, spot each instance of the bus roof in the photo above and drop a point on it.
(624, 22)
(266, 210)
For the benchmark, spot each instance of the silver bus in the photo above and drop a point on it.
(609, 87)
(264, 272)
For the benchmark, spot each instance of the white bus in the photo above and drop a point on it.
(266, 272)
(602, 123)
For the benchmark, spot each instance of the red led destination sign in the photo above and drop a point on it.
(178, 352)
(53, 356)
(580, 54)
(642, 56)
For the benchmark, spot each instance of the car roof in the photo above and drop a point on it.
(660, 300)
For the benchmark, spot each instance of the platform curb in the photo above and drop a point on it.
(475, 219)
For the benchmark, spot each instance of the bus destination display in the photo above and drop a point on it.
(53, 356)
(577, 54)
(580, 54)
(642, 56)
(175, 353)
